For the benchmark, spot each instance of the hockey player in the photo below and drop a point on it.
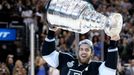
(83, 64)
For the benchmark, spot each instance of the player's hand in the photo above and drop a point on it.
(116, 26)
(53, 28)
(115, 37)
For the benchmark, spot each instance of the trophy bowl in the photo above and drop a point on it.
(79, 16)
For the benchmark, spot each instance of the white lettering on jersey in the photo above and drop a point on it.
(70, 64)
(74, 72)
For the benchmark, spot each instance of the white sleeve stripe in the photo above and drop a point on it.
(103, 70)
(52, 59)
(49, 40)
(112, 50)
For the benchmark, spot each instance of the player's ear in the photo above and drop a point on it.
(92, 54)
(77, 53)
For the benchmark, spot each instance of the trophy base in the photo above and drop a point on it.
(115, 27)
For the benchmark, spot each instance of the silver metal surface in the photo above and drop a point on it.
(75, 15)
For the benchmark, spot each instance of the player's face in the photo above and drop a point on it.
(84, 53)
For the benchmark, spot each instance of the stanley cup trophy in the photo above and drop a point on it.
(79, 16)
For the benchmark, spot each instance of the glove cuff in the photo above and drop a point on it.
(51, 34)
(113, 44)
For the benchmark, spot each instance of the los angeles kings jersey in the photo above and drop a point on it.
(68, 65)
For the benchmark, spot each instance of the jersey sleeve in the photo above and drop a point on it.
(110, 65)
(57, 59)
(50, 55)
(64, 59)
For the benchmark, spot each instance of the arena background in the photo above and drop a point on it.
(20, 14)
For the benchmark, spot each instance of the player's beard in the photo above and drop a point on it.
(85, 60)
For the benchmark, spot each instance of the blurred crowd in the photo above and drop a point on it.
(14, 57)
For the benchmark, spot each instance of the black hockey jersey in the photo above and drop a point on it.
(68, 65)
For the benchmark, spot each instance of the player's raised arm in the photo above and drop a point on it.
(49, 53)
(110, 65)
(111, 61)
